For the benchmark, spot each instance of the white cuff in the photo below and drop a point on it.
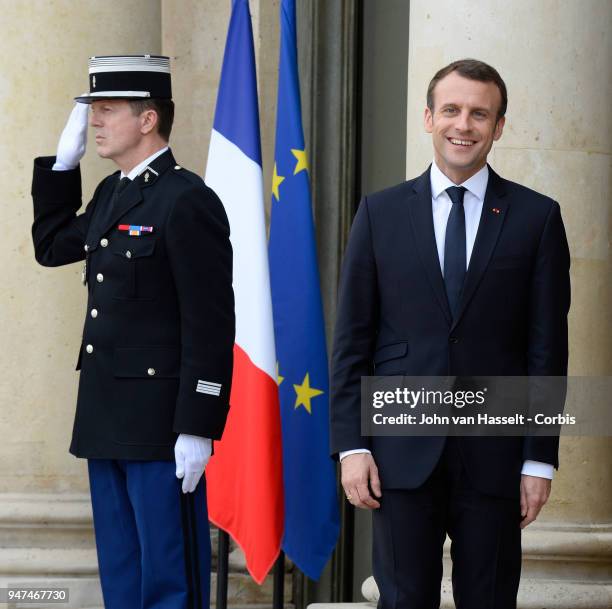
(538, 469)
(59, 166)
(346, 453)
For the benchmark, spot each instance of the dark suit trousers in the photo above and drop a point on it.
(409, 531)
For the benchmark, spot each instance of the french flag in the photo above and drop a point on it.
(245, 474)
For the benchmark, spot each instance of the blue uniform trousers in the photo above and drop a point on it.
(153, 541)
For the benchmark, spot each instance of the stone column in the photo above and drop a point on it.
(45, 520)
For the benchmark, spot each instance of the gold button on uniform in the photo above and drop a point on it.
(94, 313)
(89, 348)
(128, 254)
(151, 371)
(99, 278)
(104, 242)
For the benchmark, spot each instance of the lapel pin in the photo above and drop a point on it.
(146, 177)
(496, 210)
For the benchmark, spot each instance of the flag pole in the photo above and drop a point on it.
(279, 582)
(222, 569)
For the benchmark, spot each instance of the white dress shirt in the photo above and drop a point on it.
(441, 204)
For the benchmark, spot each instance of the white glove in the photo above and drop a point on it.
(191, 454)
(73, 140)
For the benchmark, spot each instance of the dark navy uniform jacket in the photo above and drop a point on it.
(157, 351)
(394, 319)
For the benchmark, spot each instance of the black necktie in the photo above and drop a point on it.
(454, 248)
(106, 214)
(119, 188)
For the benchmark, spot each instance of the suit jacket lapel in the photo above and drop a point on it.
(494, 211)
(421, 217)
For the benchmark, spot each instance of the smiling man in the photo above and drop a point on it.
(465, 118)
(458, 272)
(156, 353)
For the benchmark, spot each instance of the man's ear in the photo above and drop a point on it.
(499, 128)
(148, 121)
(428, 120)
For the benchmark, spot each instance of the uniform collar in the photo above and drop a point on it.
(477, 184)
(143, 165)
(153, 170)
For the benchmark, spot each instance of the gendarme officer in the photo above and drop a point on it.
(156, 355)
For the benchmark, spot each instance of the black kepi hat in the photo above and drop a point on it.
(128, 77)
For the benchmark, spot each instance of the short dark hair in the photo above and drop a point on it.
(474, 70)
(164, 109)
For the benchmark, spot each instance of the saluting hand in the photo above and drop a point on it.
(73, 141)
(191, 454)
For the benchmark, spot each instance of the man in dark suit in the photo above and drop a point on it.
(458, 272)
(156, 354)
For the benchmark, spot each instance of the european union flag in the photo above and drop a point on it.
(311, 503)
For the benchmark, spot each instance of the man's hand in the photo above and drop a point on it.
(73, 140)
(191, 454)
(534, 494)
(357, 471)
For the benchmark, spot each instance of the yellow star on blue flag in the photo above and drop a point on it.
(276, 182)
(305, 393)
(302, 160)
